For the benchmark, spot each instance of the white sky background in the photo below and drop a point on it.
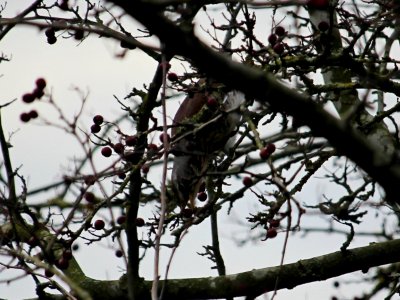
(42, 153)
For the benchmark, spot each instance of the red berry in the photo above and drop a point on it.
(212, 102)
(279, 48)
(48, 273)
(62, 263)
(95, 128)
(99, 224)
(247, 181)
(119, 148)
(271, 148)
(79, 34)
(323, 26)
(106, 151)
(28, 98)
(318, 4)
(24, 117)
(40, 83)
(67, 254)
(33, 241)
(121, 219)
(38, 93)
(162, 137)
(264, 153)
(51, 40)
(152, 147)
(33, 114)
(280, 31)
(50, 32)
(139, 222)
(131, 140)
(90, 179)
(272, 39)
(145, 169)
(274, 223)
(89, 197)
(271, 233)
(202, 196)
(172, 77)
(118, 253)
(98, 119)
(64, 5)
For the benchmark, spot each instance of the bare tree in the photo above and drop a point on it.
(265, 57)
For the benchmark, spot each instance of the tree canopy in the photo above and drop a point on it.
(320, 85)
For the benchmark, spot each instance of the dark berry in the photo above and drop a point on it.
(99, 224)
(75, 247)
(121, 175)
(79, 34)
(24, 117)
(118, 253)
(62, 263)
(336, 284)
(127, 45)
(131, 140)
(323, 26)
(271, 233)
(64, 4)
(162, 137)
(202, 196)
(121, 219)
(40, 83)
(33, 114)
(272, 39)
(38, 93)
(98, 119)
(28, 98)
(106, 151)
(51, 40)
(139, 222)
(212, 103)
(119, 148)
(264, 153)
(67, 254)
(271, 148)
(152, 147)
(33, 241)
(95, 128)
(247, 181)
(145, 169)
(280, 31)
(50, 32)
(279, 48)
(274, 223)
(90, 179)
(89, 197)
(172, 77)
(48, 273)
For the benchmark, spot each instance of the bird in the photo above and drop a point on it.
(204, 125)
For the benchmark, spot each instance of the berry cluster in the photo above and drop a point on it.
(50, 35)
(37, 93)
(275, 40)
